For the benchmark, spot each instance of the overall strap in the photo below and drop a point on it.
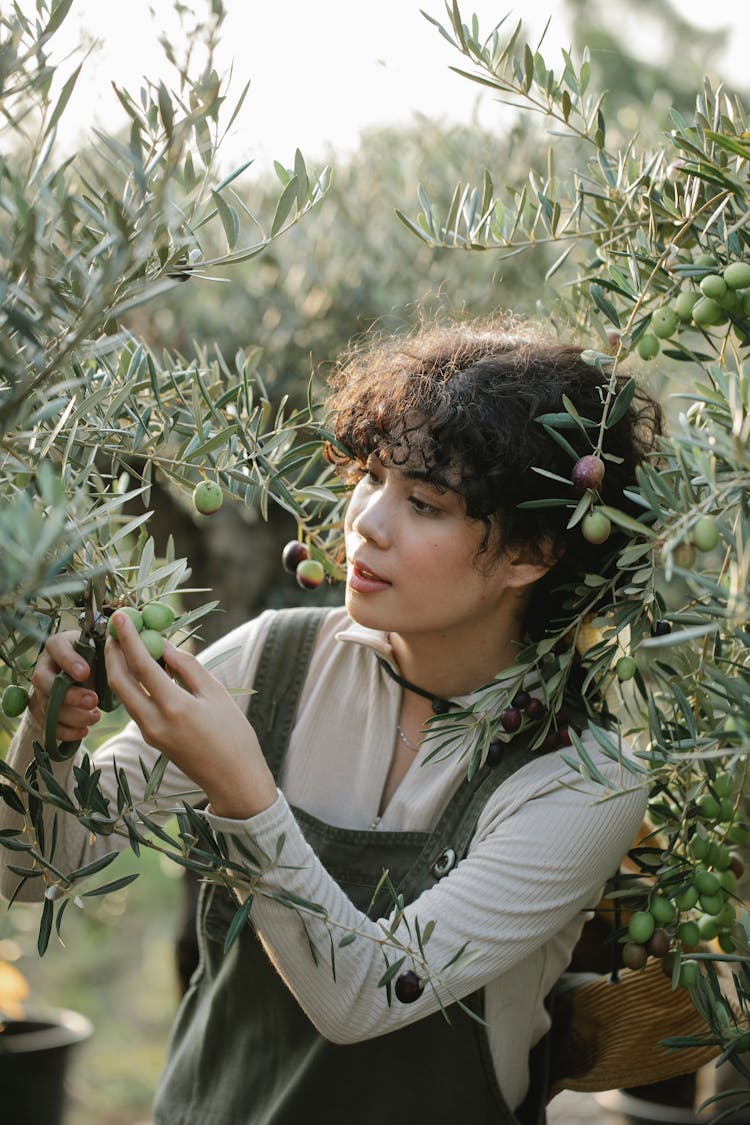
(473, 795)
(279, 678)
(449, 840)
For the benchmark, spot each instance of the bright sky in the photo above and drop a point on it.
(322, 70)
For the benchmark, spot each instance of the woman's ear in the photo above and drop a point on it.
(531, 561)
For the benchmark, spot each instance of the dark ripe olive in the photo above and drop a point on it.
(588, 472)
(534, 708)
(495, 752)
(552, 741)
(408, 987)
(634, 955)
(658, 944)
(510, 720)
(293, 554)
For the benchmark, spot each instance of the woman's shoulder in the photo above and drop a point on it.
(604, 788)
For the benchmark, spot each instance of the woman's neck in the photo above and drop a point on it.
(445, 667)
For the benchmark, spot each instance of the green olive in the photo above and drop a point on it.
(134, 615)
(158, 616)
(684, 304)
(708, 926)
(706, 312)
(625, 668)
(687, 898)
(737, 275)
(707, 883)
(664, 322)
(712, 904)
(688, 933)
(15, 700)
(726, 941)
(728, 881)
(709, 806)
(739, 833)
(154, 643)
(641, 926)
(662, 909)
(207, 497)
(648, 346)
(705, 533)
(713, 286)
(595, 527)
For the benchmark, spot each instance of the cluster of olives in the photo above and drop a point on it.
(151, 621)
(296, 560)
(719, 294)
(696, 899)
(588, 476)
(525, 708)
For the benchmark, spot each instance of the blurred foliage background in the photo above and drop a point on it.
(350, 265)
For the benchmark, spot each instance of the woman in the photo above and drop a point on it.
(447, 578)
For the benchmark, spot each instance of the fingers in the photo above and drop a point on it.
(76, 725)
(188, 671)
(130, 668)
(73, 721)
(60, 650)
(79, 710)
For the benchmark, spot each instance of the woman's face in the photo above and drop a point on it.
(413, 563)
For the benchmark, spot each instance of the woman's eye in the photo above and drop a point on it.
(422, 507)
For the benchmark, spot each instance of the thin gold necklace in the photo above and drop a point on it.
(406, 741)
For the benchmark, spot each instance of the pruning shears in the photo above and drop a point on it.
(89, 645)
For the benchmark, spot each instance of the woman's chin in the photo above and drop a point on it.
(365, 611)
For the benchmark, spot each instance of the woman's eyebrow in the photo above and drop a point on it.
(424, 476)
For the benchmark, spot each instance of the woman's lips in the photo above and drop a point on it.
(365, 581)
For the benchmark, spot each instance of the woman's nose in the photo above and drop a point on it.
(369, 517)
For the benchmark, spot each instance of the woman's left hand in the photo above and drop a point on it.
(190, 717)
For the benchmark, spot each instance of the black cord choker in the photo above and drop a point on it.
(439, 706)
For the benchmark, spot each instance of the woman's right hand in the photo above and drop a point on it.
(79, 710)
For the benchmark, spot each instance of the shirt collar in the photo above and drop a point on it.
(353, 633)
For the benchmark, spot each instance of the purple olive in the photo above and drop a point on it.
(510, 719)
(551, 741)
(588, 473)
(408, 987)
(495, 752)
(535, 708)
(293, 554)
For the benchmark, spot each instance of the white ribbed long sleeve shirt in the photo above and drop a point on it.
(544, 846)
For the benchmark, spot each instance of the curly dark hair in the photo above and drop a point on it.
(462, 401)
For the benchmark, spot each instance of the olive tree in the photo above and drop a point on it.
(647, 261)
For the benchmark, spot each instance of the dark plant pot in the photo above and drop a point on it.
(622, 1108)
(34, 1057)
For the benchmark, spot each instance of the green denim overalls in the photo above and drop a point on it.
(244, 1053)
